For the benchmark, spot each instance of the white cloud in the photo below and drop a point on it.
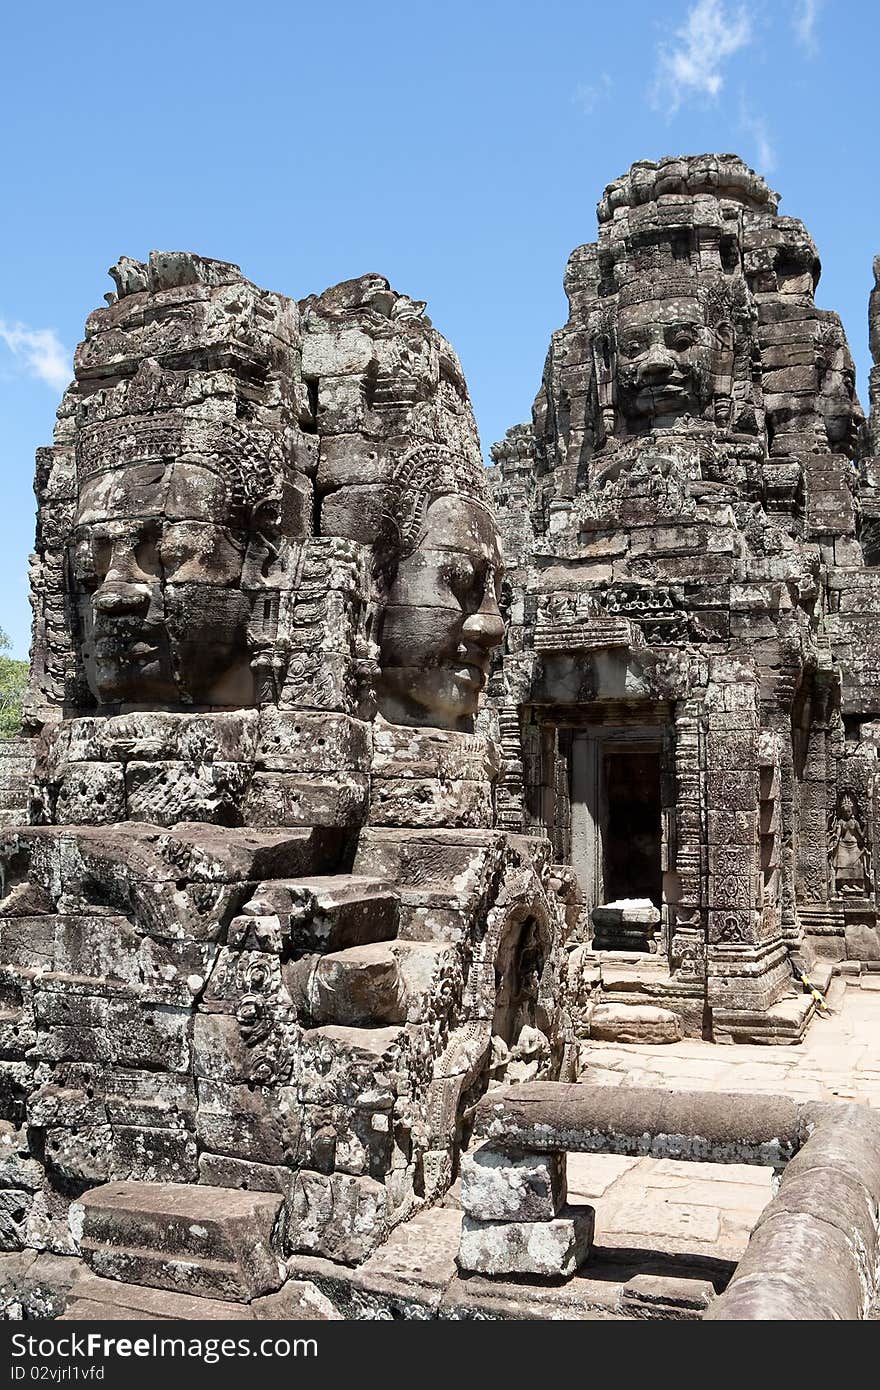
(803, 21)
(40, 351)
(755, 126)
(692, 65)
(589, 94)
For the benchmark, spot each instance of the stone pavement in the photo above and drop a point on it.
(666, 1231)
(838, 1059)
(709, 1209)
(702, 1210)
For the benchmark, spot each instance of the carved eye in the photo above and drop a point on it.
(461, 577)
(91, 561)
(632, 348)
(147, 557)
(682, 341)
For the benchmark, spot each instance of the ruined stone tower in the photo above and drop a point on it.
(686, 694)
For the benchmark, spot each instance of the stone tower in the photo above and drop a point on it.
(262, 933)
(683, 683)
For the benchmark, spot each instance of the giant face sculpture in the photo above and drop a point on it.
(156, 566)
(442, 619)
(836, 399)
(664, 360)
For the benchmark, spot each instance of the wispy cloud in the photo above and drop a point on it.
(803, 21)
(39, 351)
(754, 125)
(692, 66)
(590, 94)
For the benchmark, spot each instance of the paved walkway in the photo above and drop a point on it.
(839, 1058)
(710, 1209)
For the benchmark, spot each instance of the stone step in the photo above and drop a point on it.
(327, 912)
(209, 1242)
(623, 980)
(782, 1023)
(633, 962)
(376, 985)
(448, 860)
(93, 1299)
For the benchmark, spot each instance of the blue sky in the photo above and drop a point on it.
(459, 149)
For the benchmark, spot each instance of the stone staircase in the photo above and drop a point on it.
(634, 1003)
(640, 1002)
(438, 875)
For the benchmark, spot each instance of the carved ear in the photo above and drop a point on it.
(604, 360)
(722, 370)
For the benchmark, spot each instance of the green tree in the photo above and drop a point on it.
(13, 682)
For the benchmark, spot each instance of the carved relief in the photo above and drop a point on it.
(848, 849)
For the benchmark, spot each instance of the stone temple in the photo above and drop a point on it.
(378, 802)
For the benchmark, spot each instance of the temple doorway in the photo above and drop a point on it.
(631, 842)
(616, 829)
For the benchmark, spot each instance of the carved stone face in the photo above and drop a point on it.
(156, 573)
(663, 361)
(442, 619)
(837, 397)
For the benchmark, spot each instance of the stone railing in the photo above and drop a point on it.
(813, 1253)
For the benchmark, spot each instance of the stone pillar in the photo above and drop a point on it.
(748, 968)
(684, 888)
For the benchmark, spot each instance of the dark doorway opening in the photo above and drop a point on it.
(632, 829)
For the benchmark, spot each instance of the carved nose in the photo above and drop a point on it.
(658, 363)
(117, 597)
(486, 626)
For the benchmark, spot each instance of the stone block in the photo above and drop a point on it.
(149, 1035)
(665, 1296)
(347, 459)
(241, 1121)
(636, 912)
(15, 1205)
(219, 1050)
(92, 794)
(360, 987)
(356, 512)
(335, 353)
(428, 801)
(220, 1170)
(635, 1023)
(544, 1249)
(304, 741)
(497, 1186)
(208, 1241)
(862, 941)
(150, 1099)
(165, 793)
(327, 913)
(298, 1301)
(337, 1215)
(285, 798)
